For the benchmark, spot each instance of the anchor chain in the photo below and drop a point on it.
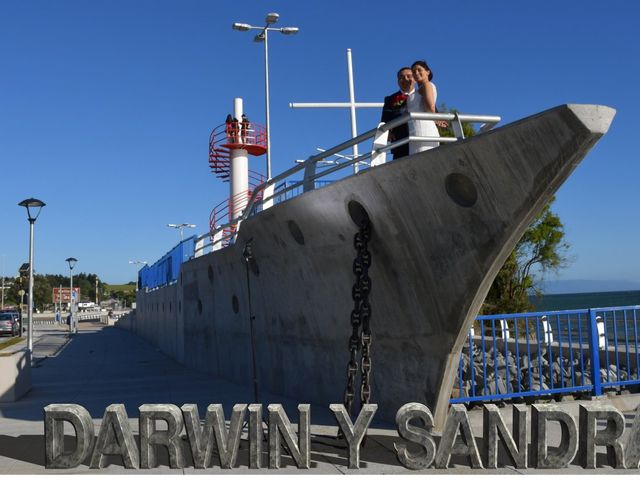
(360, 321)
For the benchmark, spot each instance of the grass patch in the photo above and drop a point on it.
(13, 341)
(120, 288)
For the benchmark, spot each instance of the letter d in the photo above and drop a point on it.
(54, 417)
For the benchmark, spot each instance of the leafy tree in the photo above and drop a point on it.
(541, 249)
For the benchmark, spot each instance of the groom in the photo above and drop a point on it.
(394, 106)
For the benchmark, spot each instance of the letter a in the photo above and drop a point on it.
(115, 438)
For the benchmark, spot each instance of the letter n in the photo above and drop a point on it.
(279, 425)
(494, 428)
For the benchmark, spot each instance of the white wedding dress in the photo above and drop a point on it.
(421, 128)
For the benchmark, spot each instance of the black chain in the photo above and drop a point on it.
(360, 321)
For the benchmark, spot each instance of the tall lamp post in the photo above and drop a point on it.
(72, 324)
(263, 36)
(181, 227)
(34, 207)
(137, 262)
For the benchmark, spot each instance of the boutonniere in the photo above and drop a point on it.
(399, 100)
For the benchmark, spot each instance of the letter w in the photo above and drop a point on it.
(201, 440)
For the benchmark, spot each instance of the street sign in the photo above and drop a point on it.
(66, 294)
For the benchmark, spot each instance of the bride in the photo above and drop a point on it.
(423, 99)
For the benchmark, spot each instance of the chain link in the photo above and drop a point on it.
(360, 322)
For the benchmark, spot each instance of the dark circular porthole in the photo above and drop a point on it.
(199, 307)
(235, 304)
(461, 190)
(169, 307)
(295, 232)
(179, 306)
(210, 273)
(358, 214)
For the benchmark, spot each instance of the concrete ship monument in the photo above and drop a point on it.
(372, 280)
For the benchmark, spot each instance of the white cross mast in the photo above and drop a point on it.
(351, 104)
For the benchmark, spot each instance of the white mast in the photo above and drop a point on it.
(351, 105)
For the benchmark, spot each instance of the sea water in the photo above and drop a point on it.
(574, 301)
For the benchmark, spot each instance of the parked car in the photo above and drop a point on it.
(9, 323)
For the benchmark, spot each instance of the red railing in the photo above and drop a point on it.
(221, 214)
(226, 137)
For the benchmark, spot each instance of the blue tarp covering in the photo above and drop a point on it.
(166, 270)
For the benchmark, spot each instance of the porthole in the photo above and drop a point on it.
(210, 274)
(461, 190)
(235, 304)
(295, 232)
(358, 214)
(199, 307)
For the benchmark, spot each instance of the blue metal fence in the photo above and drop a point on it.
(546, 353)
(166, 270)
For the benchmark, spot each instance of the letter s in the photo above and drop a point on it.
(421, 436)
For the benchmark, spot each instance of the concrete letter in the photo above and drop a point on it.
(354, 434)
(610, 436)
(421, 436)
(279, 423)
(150, 437)
(540, 415)
(54, 417)
(457, 420)
(201, 440)
(255, 435)
(115, 438)
(494, 427)
(632, 447)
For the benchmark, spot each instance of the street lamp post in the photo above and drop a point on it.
(72, 324)
(263, 36)
(137, 262)
(34, 207)
(181, 227)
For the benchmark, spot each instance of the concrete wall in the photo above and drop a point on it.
(443, 220)
(15, 374)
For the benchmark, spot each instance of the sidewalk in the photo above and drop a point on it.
(104, 365)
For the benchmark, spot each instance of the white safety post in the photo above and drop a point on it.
(600, 328)
(505, 329)
(546, 329)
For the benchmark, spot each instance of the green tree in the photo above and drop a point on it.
(542, 249)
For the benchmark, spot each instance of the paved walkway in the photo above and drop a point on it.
(103, 365)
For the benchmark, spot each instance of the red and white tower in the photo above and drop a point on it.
(230, 145)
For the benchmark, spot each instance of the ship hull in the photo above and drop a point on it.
(443, 223)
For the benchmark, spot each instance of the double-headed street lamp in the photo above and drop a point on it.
(72, 325)
(137, 262)
(33, 206)
(263, 36)
(180, 226)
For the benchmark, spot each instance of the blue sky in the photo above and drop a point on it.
(106, 108)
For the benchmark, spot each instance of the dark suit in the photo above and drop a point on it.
(391, 110)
